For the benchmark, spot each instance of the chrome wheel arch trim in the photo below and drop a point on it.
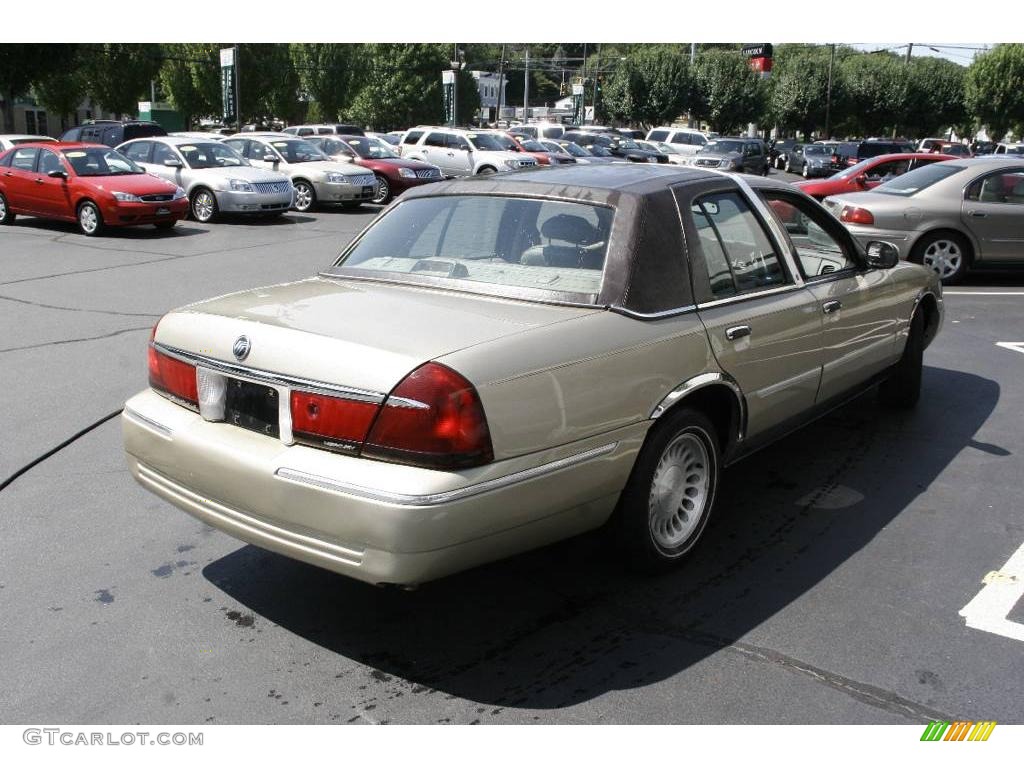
(701, 381)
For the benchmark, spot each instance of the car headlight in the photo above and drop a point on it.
(337, 178)
(512, 163)
(407, 173)
(240, 185)
(126, 197)
(179, 193)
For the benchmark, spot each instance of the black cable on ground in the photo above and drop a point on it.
(60, 447)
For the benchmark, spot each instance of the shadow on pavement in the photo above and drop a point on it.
(567, 623)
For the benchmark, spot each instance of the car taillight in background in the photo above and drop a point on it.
(433, 418)
(854, 215)
(172, 377)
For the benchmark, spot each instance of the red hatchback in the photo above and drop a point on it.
(868, 174)
(91, 184)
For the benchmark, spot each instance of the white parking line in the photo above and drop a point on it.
(990, 607)
(1014, 345)
(983, 293)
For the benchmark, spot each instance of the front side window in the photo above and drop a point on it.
(49, 162)
(436, 140)
(211, 155)
(504, 243)
(739, 254)
(819, 251)
(412, 137)
(1005, 187)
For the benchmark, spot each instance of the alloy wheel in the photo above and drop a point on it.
(944, 256)
(204, 206)
(383, 191)
(303, 196)
(88, 218)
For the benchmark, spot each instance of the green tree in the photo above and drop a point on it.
(60, 90)
(117, 75)
(190, 76)
(329, 73)
(268, 83)
(402, 86)
(995, 89)
(22, 64)
(876, 91)
(623, 94)
(727, 93)
(799, 88)
(935, 96)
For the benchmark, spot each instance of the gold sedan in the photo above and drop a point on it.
(496, 364)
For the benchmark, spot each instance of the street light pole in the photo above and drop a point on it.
(828, 97)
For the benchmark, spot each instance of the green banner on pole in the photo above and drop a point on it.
(229, 100)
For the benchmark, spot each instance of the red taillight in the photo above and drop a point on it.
(855, 215)
(172, 377)
(324, 420)
(433, 418)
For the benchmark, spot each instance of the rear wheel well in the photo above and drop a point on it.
(916, 254)
(719, 403)
(930, 307)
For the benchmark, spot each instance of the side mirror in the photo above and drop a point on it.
(861, 181)
(269, 158)
(172, 162)
(882, 255)
(58, 174)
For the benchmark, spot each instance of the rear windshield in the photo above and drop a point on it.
(914, 181)
(141, 131)
(504, 246)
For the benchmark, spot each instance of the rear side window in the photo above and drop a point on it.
(553, 133)
(412, 137)
(305, 131)
(5, 159)
(24, 159)
(113, 136)
(660, 136)
(739, 254)
(922, 178)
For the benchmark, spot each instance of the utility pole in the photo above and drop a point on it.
(597, 74)
(238, 87)
(501, 83)
(828, 96)
(455, 88)
(693, 60)
(906, 63)
(526, 86)
(583, 80)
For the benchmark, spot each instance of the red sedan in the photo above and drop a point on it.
(868, 174)
(394, 173)
(536, 150)
(91, 184)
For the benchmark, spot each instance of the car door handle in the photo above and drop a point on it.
(737, 332)
(977, 214)
(831, 306)
(39, 181)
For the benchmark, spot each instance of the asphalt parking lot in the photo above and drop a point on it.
(827, 590)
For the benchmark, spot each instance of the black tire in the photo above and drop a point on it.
(7, 216)
(90, 220)
(936, 250)
(305, 196)
(647, 536)
(903, 388)
(383, 195)
(203, 205)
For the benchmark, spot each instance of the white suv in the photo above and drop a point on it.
(686, 141)
(460, 152)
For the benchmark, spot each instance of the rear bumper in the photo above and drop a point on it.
(373, 521)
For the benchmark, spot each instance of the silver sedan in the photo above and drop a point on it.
(216, 178)
(951, 216)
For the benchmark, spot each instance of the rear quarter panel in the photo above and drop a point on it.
(597, 373)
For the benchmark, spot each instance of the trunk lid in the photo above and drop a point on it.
(350, 333)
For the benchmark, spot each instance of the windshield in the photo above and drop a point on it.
(572, 148)
(492, 142)
(921, 178)
(100, 161)
(721, 146)
(598, 151)
(626, 143)
(508, 244)
(532, 145)
(816, 149)
(660, 146)
(210, 155)
(297, 150)
(371, 148)
(854, 170)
